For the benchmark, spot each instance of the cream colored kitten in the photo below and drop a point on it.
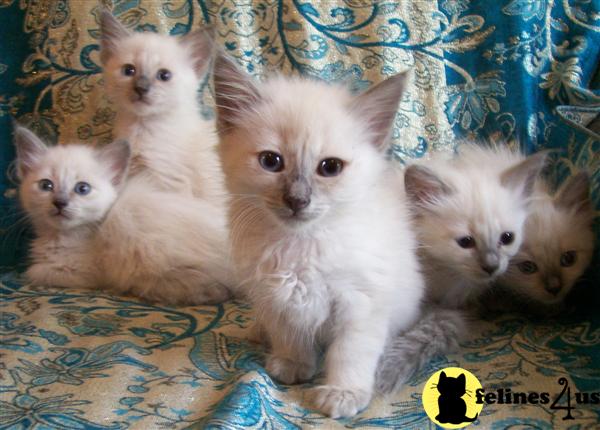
(558, 244)
(469, 215)
(319, 236)
(153, 80)
(162, 246)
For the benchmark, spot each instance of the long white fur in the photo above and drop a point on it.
(479, 205)
(481, 192)
(170, 142)
(347, 276)
(161, 246)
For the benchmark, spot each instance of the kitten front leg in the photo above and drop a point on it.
(350, 366)
(293, 358)
(52, 275)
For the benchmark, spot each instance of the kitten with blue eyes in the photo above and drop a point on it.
(153, 80)
(557, 248)
(469, 212)
(319, 237)
(96, 231)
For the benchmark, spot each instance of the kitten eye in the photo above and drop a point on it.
(527, 267)
(271, 161)
(330, 167)
(128, 70)
(46, 185)
(568, 258)
(466, 242)
(163, 75)
(507, 238)
(82, 188)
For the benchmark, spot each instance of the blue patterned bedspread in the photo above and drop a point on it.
(525, 70)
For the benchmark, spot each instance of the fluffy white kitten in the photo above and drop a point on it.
(469, 215)
(161, 246)
(469, 212)
(153, 80)
(319, 236)
(558, 244)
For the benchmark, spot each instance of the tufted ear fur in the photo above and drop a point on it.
(200, 45)
(112, 33)
(379, 105)
(117, 155)
(30, 149)
(522, 176)
(574, 194)
(235, 92)
(423, 187)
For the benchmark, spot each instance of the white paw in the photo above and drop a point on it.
(288, 371)
(213, 294)
(339, 402)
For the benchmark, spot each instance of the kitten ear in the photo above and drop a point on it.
(117, 155)
(112, 32)
(462, 378)
(30, 149)
(442, 375)
(235, 92)
(523, 175)
(378, 106)
(423, 187)
(574, 194)
(200, 45)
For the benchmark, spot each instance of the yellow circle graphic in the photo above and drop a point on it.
(449, 398)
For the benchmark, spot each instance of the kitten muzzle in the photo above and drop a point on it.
(553, 285)
(142, 86)
(490, 262)
(296, 195)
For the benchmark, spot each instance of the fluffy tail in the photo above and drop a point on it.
(437, 332)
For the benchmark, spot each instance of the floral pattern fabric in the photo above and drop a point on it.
(85, 360)
(520, 70)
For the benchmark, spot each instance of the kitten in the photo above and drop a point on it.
(153, 80)
(66, 192)
(158, 245)
(469, 213)
(318, 234)
(558, 245)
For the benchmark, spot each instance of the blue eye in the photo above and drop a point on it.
(46, 185)
(128, 70)
(163, 75)
(330, 167)
(466, 242)
(271, 161)
(82, 188)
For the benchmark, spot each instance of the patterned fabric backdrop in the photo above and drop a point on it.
(525, 70)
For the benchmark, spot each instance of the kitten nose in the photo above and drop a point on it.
(553, 285)
(60, 204)
(142, 86)
(296, 204)
(490, 262)
(489, 268)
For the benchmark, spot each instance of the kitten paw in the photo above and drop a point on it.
(339, 402)
(213, 295)
(288, 371)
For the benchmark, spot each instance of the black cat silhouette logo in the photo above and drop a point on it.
(448, 398)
